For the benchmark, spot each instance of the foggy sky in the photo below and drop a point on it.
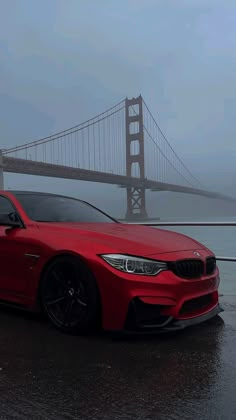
(62, 62)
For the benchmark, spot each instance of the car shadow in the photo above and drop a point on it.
(19, 318)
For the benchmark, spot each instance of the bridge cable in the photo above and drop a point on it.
(59, 135)
(184, 166)
(73, 129)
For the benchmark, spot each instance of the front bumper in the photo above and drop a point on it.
(162, 302)
(141, 320)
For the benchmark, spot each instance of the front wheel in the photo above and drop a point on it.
(69, 295)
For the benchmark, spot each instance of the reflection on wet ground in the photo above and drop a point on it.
(186, 375)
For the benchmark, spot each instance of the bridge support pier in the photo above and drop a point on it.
(136, 196)
(1, 172)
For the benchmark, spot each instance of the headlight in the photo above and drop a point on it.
(135, 265)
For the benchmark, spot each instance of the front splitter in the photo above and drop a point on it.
(180, 324)
(174, 324)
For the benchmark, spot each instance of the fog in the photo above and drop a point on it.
(63, 62)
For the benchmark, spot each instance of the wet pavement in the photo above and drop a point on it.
(186, 375)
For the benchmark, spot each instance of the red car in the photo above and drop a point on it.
(85, 269)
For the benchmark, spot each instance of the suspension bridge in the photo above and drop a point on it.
(123, 146)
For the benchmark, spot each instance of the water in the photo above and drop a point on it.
(222, 241)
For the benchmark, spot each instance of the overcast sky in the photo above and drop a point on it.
(63, 61)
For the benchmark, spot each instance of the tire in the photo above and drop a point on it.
(69, 296)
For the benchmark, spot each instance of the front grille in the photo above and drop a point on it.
(188, 269)
(210, 265)
(196, 304)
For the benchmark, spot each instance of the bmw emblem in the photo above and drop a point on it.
(197, 254)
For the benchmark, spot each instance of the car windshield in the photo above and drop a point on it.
(46, 208)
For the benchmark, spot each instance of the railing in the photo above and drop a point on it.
(184, 223)
(230, 259)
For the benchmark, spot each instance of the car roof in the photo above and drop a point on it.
(21, 192)
(15, 192)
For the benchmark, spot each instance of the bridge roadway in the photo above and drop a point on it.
(26, 166)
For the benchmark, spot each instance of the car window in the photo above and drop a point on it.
(6, 206)
(46, 208)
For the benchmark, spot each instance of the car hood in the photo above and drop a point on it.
(123, 238)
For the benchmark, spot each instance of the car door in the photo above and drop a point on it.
(16, 244)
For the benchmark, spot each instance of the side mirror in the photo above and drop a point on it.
(9, 219)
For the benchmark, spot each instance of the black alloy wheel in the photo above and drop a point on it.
(69, 295)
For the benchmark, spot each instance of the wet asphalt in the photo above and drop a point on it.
(45, 374)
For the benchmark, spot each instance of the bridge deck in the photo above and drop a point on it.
(24, 166)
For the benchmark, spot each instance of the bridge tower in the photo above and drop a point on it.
(1, 172)
(136, 199)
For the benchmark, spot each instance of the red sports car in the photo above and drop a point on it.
(85, 269)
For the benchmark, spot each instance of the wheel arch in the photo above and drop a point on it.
(53, 259)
